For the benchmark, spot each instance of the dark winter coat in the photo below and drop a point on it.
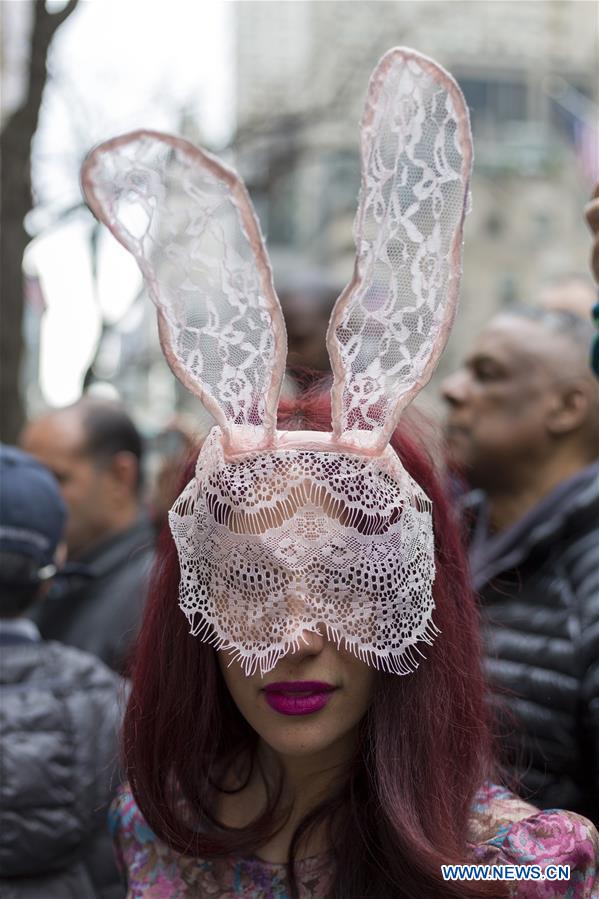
(98, 606)
(539, 586)
(59, 718)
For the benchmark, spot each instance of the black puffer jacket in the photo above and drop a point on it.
(539, 586)
(59, 718)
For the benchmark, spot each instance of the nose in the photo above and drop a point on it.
(310, 644)
(454, 388)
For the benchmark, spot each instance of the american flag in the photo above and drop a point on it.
(586, 142)
(578, 115)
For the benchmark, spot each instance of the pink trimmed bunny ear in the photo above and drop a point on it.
(190, 224)
(391, 323)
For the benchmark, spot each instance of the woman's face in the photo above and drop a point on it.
(311, 701)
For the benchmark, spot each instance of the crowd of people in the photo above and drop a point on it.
(335, 779)
(522, 436)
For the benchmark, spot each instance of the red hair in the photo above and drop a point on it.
(424, 751)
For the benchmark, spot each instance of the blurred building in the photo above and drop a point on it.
(15, 24)
(530, 73)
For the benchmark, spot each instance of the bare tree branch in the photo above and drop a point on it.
(15, 184)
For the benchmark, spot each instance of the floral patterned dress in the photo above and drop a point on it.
(520, 835)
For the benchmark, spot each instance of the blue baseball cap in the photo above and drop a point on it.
(32, 510)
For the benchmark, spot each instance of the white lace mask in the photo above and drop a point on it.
(275, 544)
(283, 532)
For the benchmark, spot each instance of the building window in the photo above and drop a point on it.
(495, 101)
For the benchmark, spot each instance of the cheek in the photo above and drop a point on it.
(242, 688)
(361, 690)
(245, 693)
(86, 495)
(98, 488)
(71, 491)
(503, 413)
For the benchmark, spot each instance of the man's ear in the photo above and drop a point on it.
(124, 468)
(570, 407)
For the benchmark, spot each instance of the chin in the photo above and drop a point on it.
(300, 743)
(303, 736)
(457, 460)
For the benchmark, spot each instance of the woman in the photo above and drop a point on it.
(292, 738)
(371, 786)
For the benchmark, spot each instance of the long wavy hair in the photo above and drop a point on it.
(424, 749)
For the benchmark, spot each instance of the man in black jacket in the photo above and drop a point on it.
(523, 428)
(95, 453)
(59, 715)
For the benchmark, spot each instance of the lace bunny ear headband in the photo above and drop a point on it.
(280, 532)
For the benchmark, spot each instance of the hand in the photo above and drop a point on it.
(591, 212)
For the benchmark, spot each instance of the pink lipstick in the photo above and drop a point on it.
(298, 697)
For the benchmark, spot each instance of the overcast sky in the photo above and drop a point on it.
(116, 65)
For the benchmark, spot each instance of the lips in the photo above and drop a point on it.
(298, 697)
(456, 430)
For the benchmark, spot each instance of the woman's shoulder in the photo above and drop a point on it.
(149, 867)
(506, 830)
(124, 814)
(154, 871)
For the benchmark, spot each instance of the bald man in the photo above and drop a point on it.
(95, 451)
(569, 293)
(523, 428)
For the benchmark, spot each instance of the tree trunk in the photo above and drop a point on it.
(15, 185)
